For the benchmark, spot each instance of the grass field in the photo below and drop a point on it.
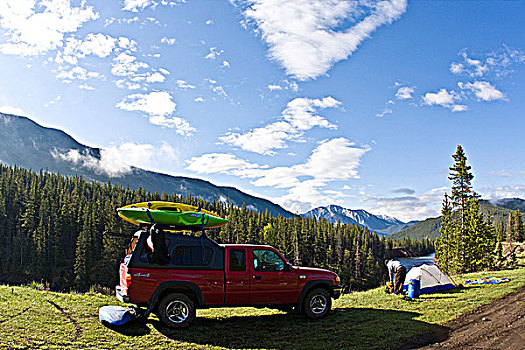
(31, 318)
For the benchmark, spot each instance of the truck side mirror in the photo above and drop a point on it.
(288, 267)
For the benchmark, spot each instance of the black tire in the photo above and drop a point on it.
(317, 303)
(176, 310)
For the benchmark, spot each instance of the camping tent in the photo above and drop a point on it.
(431, 278)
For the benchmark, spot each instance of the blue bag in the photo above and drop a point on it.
(115, 315)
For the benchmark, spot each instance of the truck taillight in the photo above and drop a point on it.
(128, 280)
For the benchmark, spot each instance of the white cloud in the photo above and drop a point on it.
(160, 107)
(303, 35)
(456, 68)
(225, 63)
(274, 87)
(472, 67)
(139, 5)
(124, 84)
(445, 99)
(262, 140)
(157, 157)
(219, 90)
(78, 73)
(332, 160)
(168, 41)
(335, 159)
(127, 65)
(214, 53)
(440, 98)
(500, 192)
(498, 63)
(405, 93)
(501, 173)
(36, 27)
(298, 117)
(155, 78)
(94, 44)
(502, 61)
(53, 101)
(86, 87)
(184, 85)
(14, 111)
(127, 43)
(198, 99)
(292, 85)
(408, 208)
(222, 163)
(483, 90)
(108, 164)
(459, 108)
(386, 112)
(136, 5)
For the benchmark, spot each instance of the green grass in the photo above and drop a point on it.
(365, 320)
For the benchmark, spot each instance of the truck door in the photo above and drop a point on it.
(237, 277)
(271, 282)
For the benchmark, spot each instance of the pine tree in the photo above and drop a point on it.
(480, 240)
(467, 243)
(515, 230)
(462, 192)
(445, 244)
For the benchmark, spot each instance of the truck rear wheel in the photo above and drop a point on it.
(176, 310)
(317, 303)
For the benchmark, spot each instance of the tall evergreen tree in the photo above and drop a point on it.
(445, 244)
(468, 243)
(515, 229)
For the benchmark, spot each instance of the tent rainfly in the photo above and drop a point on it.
(430, 277)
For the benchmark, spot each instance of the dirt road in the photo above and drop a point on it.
(500, 325)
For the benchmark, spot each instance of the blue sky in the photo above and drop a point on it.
(304, 102)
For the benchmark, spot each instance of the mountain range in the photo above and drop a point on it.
(498, 210)
(382, 224)
(29, 145)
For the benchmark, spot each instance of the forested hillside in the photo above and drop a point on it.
(31, 146)
(51, 230)
(429, 228)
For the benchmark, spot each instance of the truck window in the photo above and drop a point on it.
(237, 260)
(191, 256)
(267, 260)
(148, 248)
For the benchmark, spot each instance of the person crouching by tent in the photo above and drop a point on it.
(397, 274)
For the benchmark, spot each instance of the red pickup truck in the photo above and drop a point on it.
(199, 273)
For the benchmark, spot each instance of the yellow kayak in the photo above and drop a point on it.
(179, 215)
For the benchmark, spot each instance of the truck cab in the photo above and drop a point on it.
(201, 274)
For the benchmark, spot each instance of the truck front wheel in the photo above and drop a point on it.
(176, 310)
(317, 303)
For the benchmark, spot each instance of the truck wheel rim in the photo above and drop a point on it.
(318, 304)
(177, 311)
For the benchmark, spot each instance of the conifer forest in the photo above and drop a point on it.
(65, 232)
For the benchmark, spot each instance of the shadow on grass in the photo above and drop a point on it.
(342, 329)
(135, 328)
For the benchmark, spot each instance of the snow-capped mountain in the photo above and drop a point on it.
(382, 224)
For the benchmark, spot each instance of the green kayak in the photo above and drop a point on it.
(185, 219)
